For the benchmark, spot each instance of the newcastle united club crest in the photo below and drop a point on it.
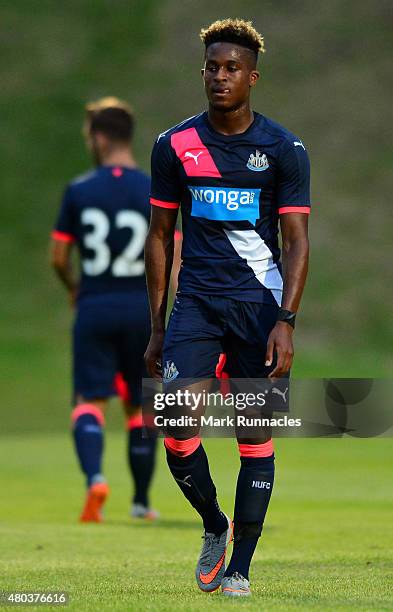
(257, 162)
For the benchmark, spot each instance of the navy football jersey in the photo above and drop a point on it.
(231, 190)
(106, 212)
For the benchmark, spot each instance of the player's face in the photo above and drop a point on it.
(228, 74)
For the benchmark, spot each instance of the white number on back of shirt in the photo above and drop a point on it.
(127, 263)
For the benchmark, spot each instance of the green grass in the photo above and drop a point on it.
(325, 545)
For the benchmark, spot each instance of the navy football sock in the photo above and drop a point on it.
(192, 474)
(253, 492)
(89, 444)
(141, 459)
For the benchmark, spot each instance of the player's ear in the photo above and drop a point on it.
(100, 139)
(254, 76)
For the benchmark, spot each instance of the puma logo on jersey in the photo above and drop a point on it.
(282, 393)
(298, 143)
(194, 157)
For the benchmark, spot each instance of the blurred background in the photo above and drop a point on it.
(325, 76)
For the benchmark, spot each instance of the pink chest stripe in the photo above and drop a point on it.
(193, 154)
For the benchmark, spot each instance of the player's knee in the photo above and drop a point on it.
(182, 448)
(88, 408)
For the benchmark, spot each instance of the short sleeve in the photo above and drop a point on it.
(64, 228)
(293, 185)
(165, 188)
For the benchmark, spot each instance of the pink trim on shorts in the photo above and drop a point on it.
(222, 376)
(121, 387)
(220, 364)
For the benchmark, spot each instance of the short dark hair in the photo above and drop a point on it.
(112, 117)
(236, 31)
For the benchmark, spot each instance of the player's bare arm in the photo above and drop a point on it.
(60, 258)
(159, 251)
(176, 262)
(295, 251)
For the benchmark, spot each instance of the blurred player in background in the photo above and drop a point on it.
(235, 174)
(105, 214)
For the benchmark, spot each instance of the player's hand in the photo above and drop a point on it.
(280, 342)
(153, 355)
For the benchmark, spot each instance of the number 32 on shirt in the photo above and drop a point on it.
(125, 264)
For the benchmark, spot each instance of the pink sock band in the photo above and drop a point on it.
(256, 450)
(88, 409)
(182, 448)
(134, 421)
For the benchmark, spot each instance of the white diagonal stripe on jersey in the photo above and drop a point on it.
(249, 246)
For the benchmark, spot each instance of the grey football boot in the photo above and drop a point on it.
(235, 586)
(143, 512)
(210, 568)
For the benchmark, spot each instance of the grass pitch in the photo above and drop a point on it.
(325, 545)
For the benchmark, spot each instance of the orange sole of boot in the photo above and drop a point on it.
(96, 497)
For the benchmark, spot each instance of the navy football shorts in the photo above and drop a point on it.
(110, 336)
(201, 327)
